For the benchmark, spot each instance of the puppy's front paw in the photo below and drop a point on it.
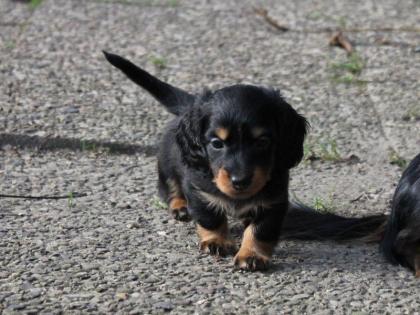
(180, 214)
(218, 247)
(251, 261)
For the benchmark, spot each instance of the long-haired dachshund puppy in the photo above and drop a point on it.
(229, 152)
(401, 242)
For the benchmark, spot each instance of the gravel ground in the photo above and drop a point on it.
(116, 250)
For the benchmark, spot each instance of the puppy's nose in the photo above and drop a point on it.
(241, 182)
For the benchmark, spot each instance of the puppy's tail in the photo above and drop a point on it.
(305, 223)
(174, 99)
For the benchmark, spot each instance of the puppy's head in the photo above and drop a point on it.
(243, 134)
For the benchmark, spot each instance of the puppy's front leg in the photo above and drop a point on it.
(212, 229)
(259, 239)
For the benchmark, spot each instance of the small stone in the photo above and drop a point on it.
(71, 110)
(166, 306)
(133, 225)
(133, 278)
(356, 304)
(135, 295)
(334, 303)
(34, 293)
(121, 296)
(19, 75)
(18, 307)
(101, 288)
(300, 296)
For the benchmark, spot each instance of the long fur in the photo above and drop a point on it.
(174, 99)
(305, 223)
(401, 242)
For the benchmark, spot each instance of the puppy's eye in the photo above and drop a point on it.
(262, 143)
(216, 143)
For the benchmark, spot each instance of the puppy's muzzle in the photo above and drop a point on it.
(241, 182)
(241, 187)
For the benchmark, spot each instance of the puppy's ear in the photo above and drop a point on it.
(174, 99)
(190, 137)
(292, 131)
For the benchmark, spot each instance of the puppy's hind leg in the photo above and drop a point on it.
(170, 190)
(178, 207)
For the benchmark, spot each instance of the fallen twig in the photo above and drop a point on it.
(70, 195)
(404, 29)
(264, 14)
(358, 198)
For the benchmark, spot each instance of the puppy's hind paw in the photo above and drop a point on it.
(180, 214)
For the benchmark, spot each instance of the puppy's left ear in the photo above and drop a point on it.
(189, 137)
(293, 128)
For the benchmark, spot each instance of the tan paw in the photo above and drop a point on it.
(218, 247)
(251, 261)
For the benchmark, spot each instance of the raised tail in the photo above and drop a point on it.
(305, 223)
(174, 99)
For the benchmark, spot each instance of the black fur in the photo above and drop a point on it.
(173, 98)
(401, 242)
(305, 223)
(264, 140)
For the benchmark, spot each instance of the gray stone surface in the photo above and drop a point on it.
(117, 250)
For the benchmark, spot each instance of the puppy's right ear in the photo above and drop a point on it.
(190, 138)
(175, 100)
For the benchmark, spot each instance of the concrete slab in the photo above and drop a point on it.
(69, 122)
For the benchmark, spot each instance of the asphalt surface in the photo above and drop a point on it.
(70, 123)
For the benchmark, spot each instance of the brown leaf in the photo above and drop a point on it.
(264, 14)
(338, 39)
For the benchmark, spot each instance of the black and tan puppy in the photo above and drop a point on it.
(228, 152)
(401, 242)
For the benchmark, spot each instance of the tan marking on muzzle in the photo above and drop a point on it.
(224, 184)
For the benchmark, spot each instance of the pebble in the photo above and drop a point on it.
(34, 293)
(71, 110)
(121, 296)
(166, 306)
(133, 225)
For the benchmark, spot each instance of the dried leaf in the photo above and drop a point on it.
(338, 39)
